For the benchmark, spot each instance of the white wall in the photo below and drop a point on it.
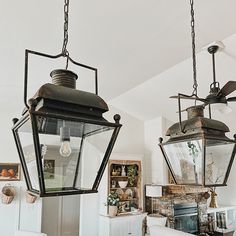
(131, 136)
(18, 214)
(156, 169)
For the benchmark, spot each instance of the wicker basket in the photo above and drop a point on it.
(8, 194)
(30, 198)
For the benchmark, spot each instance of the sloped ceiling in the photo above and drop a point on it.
(129, 42)
(151, 98)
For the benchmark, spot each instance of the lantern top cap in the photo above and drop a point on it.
(63, 71)
(195, 111)
(71, 96)
(65, 78)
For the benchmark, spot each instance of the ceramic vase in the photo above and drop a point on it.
(213, 202)
(112, 211)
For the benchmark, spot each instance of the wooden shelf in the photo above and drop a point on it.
(124, 188)
(129, 200)
(133, 167)
(118, 176)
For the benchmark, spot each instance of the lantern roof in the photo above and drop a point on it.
(197, 124)
(68, 95)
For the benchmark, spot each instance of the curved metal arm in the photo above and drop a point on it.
(179, 106)
(27, 52)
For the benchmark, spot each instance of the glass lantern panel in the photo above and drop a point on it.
(27, 145)
(218, 156)
(70, 162)
(185, 159)
(96, 140)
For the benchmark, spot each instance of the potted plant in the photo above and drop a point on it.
(113, 202)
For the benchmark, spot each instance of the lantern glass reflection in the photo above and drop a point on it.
(60, 173)
(185, 158)
(218, 156)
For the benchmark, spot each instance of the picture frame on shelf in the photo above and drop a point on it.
(49, 169)
(10, 171)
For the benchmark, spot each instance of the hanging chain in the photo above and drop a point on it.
(195, 85)
(65, 41)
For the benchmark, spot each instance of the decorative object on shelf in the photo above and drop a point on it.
(123, 184)
(131, 173)
(123, 196)
(123, 172)
(198, 151)
(72, 121)
(129, 193)
(9, 171)
(113, 202)
(8, 194)
(30, 198)
(114, 172)
(122, 207)
(113, 183)
(119, 192)
(49, 169)
(213, 202)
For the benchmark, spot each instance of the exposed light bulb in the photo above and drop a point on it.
(65, 149)
(223, 108)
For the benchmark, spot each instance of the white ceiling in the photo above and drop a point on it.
(151, 98)
(129, 41)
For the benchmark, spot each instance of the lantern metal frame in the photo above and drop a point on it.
(66, 103)
(68, 59)
(191, 130)
(30, 113)
(204, 138)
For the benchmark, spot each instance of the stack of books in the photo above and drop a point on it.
(221, 220)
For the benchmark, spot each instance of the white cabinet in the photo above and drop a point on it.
(128, 225)
(223, 218)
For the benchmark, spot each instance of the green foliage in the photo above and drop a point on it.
(113, 199)
(131, 173)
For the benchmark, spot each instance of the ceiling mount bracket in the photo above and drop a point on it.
(213, 49)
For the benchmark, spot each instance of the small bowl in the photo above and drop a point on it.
(122, 184)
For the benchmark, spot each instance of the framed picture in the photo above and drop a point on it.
(9, 171)
(49, 169)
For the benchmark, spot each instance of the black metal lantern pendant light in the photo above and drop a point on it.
(198, 152)
(62, 136)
